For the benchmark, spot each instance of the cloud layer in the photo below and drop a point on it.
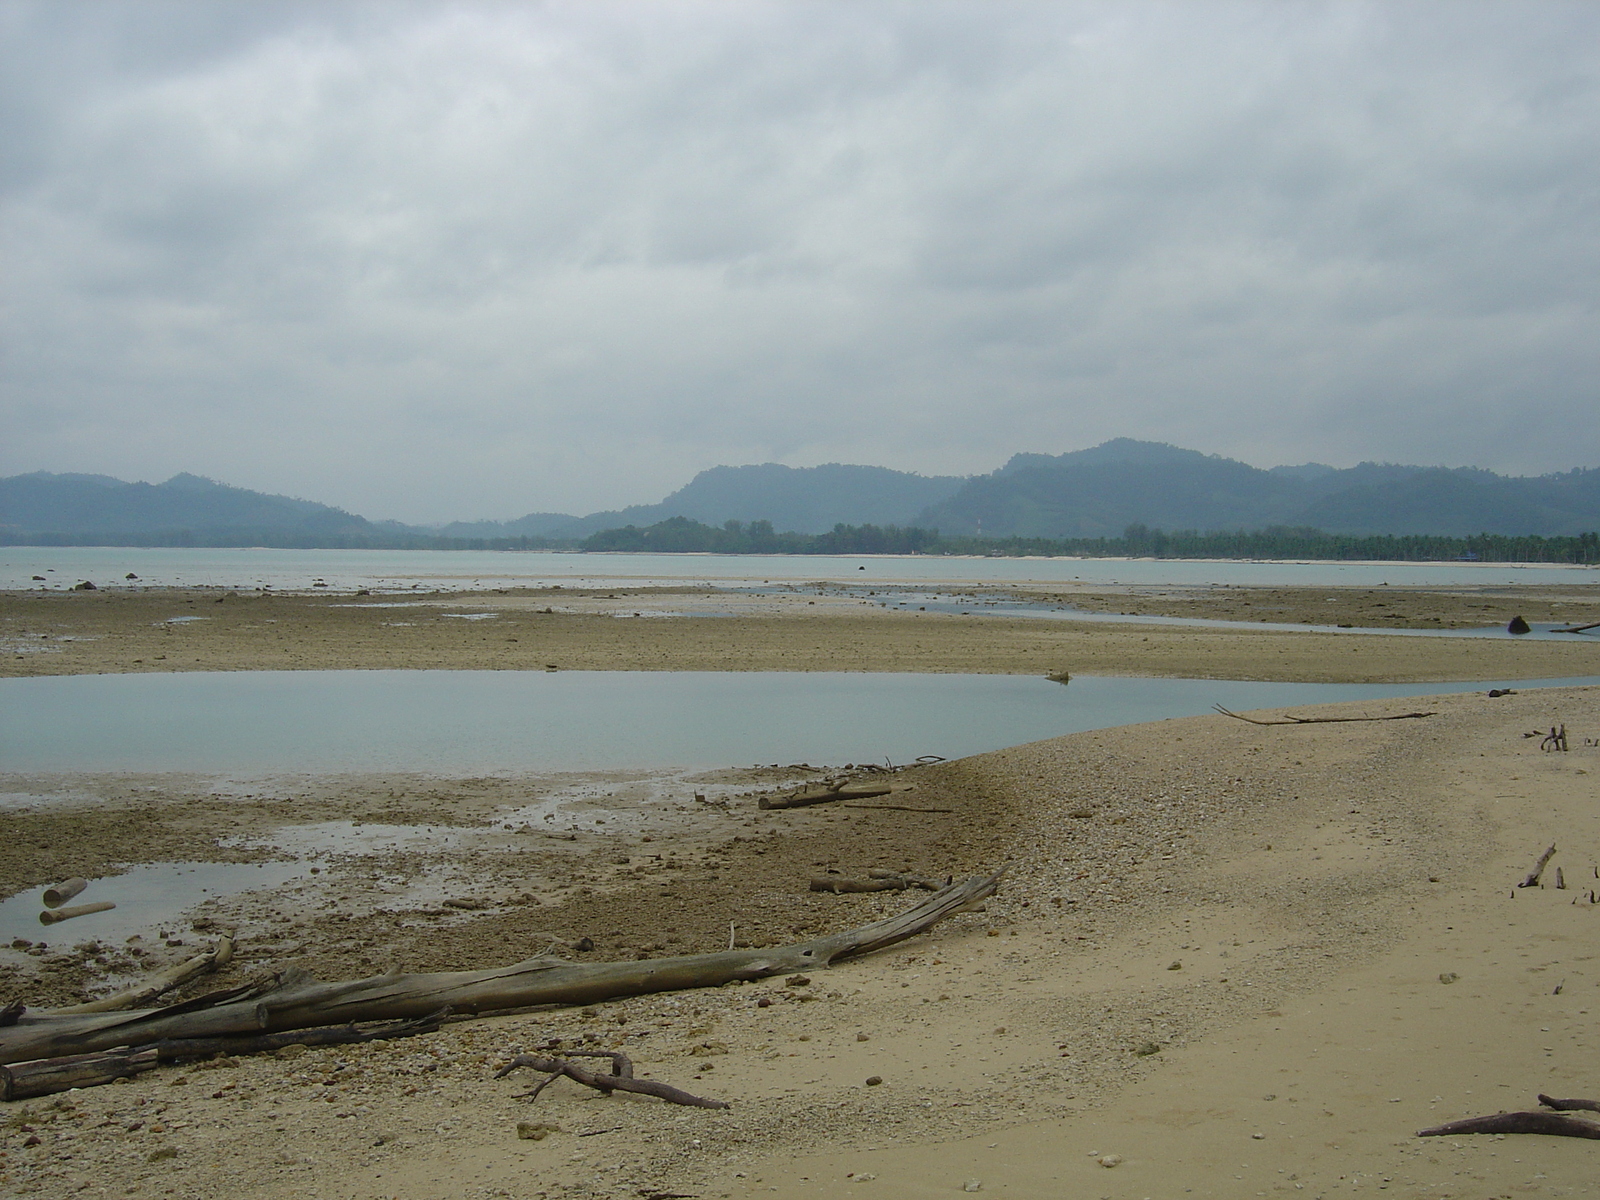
(438, 260)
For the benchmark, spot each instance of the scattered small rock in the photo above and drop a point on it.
(1110, 1160)
(972, 1185)
(874, 1080)
(1174, 966)
(1448, 977)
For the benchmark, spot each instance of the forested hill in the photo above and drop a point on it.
(1101, 491)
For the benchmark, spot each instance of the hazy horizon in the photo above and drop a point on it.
(440, 261)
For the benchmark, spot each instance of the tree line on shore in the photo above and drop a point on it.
(1137, 541)
(682, 535)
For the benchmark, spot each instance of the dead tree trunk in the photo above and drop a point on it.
(295, 1001)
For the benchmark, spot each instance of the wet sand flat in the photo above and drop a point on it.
(72, 633)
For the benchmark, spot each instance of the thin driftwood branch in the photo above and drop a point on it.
(877, 881)
(1533, 876)
(620, 1080)
(1556, 739)
(1569, 1105)
(295, 1001)
(1518, 1122)
(1578, 628)
(1292, 720)
(174, 1050)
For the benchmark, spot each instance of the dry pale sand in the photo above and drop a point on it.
(826, 629)
(1227, 971)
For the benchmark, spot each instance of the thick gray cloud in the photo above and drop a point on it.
(438, 260)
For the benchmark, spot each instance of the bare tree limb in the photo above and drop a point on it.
(1569, 1105)
(620, 1080)
(1292, 720)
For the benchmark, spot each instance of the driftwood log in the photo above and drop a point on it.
(54, 916)
(59, 894)
(46, 1076)
(827, 795)
(1532, 878)
(296, 1001)
(1552, 1123)
(1555, 1124)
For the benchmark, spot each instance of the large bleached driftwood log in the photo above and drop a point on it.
(295, 1001)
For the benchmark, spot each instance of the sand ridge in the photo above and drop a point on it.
(54, 633)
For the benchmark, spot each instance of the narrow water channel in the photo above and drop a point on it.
(454, 722)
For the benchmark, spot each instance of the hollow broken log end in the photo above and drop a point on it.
(59, 894)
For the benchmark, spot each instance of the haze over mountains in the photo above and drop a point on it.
(1085, 493)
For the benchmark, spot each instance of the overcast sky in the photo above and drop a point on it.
(465, 260)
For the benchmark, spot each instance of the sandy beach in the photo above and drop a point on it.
(1226, 960)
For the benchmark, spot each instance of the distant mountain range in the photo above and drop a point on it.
(794, 499)
(1098, 492)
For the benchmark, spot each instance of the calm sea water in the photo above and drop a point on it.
(481, 722)
(394, 570)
